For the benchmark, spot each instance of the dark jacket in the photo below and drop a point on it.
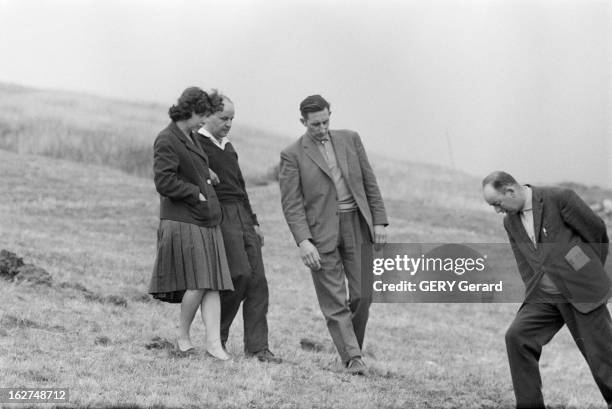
(563, 225)
(181, 174)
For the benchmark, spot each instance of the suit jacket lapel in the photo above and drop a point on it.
(537, 205)
(341, 157)
(536, 210)
(517, 227)
(313, 152)
(181, 136)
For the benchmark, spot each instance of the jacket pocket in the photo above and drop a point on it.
(200, 210)
(208, 211)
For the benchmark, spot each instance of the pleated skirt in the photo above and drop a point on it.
(189, 257)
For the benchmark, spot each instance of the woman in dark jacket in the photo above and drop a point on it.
(191, 266)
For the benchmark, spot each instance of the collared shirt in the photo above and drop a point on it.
(346, 202)
(221, 144)
(526, 215)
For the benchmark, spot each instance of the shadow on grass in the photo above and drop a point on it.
(10, 321)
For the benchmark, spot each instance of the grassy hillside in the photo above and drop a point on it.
(120, 134)
(94, 228)
(103, 131)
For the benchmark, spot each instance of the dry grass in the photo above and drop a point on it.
(96, 227)
(114, 133)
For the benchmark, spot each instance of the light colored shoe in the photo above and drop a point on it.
(220, 356)
(178, 352)
(189, 350)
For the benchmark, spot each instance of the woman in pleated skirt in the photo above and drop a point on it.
(191, 267)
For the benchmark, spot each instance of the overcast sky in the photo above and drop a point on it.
(523, 86)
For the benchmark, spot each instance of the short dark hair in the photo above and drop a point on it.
(194, 99)
(499, 180)
(313, 103)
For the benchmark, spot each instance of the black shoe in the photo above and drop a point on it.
(265, 355)
(356, 366)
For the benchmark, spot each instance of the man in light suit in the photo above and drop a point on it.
(333, 205)
(560, 247)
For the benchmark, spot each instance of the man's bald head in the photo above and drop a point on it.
(503, 192)
(499, 180)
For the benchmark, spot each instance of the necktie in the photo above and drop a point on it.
(326, 148)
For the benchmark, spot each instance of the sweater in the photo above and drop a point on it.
(224, 162)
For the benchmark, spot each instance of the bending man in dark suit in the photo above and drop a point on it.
(242, 238)
(332, 205)
(560, 247)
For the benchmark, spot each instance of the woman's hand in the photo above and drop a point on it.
(213, 177)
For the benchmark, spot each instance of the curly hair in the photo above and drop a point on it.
(195, 100)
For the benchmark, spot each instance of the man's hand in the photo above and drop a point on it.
(259, 233)
(310, 255)
(213, 177)
(380, 234)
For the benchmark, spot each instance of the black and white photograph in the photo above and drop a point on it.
(306, 204)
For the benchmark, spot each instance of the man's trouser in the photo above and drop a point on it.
(346, 318)
(243, 250)
(534, 326)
